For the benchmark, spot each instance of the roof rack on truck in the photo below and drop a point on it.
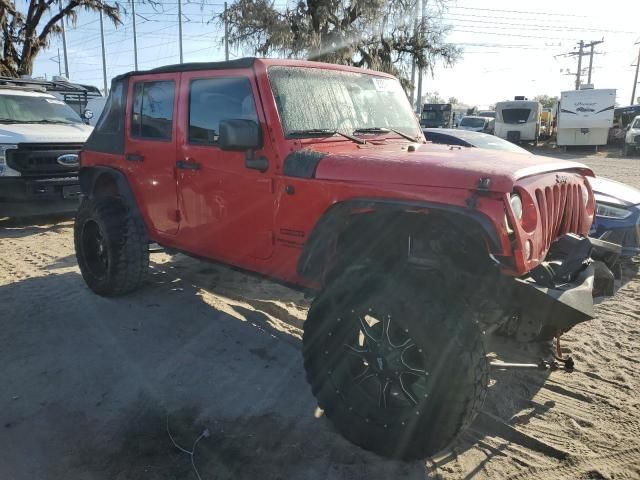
(74, 94)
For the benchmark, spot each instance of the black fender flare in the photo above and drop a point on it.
(336, 218)
(89, 176)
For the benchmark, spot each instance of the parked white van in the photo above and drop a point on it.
(518, 120)
(40, 139)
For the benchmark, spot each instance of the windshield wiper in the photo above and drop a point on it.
(325, 132)
(384, 130)
(47, 121)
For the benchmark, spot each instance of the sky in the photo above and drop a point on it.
(509, 47)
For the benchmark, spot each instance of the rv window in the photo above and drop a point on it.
(516, 115)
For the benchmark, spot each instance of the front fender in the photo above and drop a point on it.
(336, 219)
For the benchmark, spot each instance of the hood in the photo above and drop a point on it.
(612, 192)
(44, 133)
(437, 166)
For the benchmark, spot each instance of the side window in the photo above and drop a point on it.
(113, 114)
(215, 99)
(152, 110)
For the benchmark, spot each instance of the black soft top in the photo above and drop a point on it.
(246, 62)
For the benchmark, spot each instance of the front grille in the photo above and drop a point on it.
(37, 159)
(561, 210)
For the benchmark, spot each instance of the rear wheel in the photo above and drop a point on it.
(397, 369)
(111, 246)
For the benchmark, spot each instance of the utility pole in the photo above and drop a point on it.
(226, 34)
(180, 28)
(64, 45)
(592, 45)
(635, 80)
(135, 40)
(579, 72)
(413, 63)
(104, 61)
(59, 63)
(420, 67)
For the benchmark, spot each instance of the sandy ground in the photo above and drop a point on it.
(88, 384)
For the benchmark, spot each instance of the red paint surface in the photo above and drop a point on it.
(240, 216)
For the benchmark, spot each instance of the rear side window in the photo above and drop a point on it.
(152, 110)
(215, 99)
(108, 135)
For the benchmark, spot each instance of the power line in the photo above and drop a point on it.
(518, 12)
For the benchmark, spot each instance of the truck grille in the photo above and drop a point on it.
(37, 159)
(561, 211)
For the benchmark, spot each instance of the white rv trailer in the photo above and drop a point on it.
(518, 120)
(585, 117)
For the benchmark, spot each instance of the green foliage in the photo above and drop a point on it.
(375, 34)
(547, 101)
(24, 33)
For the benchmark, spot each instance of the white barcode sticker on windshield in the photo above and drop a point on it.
(382, 84)
(55, 101)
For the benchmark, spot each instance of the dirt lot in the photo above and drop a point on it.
(88, 384)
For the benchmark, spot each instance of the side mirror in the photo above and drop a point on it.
(239, 134)
(87, 114)
(243, 135)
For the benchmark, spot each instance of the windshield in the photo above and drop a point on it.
(494, 143)
(28, 109)
(314, 99)
(516, 115)
(472, 122)
(636, 124)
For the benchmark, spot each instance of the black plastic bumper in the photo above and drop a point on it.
(559, 293)
(21, 196)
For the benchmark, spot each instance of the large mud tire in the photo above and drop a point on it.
(411, 415)
(111, 244)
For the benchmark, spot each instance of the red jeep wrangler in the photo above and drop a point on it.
(318, 175)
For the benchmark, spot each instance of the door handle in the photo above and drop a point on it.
(134, 157)
(187, 165)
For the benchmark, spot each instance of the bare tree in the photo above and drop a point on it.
(23, 34)
(367, 33)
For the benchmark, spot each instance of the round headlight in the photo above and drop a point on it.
(585, 195)
(516, 205)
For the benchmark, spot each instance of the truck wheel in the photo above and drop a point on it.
(396, 369)
(111, 246)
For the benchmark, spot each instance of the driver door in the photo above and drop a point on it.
(227, 209)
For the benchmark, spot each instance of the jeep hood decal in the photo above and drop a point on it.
(438, 166)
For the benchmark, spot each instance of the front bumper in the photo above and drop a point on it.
(30, 196)
(558, 294)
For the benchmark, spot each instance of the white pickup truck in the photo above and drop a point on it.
(40, 139)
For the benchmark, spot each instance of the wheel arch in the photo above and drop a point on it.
(343, 216)
(101, 181)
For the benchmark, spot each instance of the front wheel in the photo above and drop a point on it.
(397, 369)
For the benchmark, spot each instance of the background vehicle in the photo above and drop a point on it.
(76, 95)
(518, 120)
(40, 137)
(466, 138)
(438, 115)
(389, 236)
(547, 123)
(617, 214)
(487, 113)
(632, 137)
(477, 124)
(585, 117)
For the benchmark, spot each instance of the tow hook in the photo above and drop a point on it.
(558, 362)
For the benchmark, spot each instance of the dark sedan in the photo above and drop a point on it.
(617, 205)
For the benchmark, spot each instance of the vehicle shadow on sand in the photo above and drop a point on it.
(204, 347)
(26, 226)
